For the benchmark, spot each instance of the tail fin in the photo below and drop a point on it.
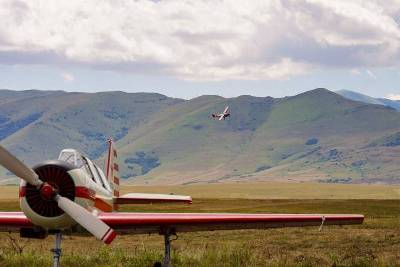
(112, 168)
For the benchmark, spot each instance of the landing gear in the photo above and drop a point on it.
(167, 247)
(322, 223)
(57, 249)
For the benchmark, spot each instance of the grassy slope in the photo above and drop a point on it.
(188, 141)
(77, 120)
(266, 140)
(338, 123)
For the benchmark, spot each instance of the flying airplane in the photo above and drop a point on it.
(223, 115)
(73, 194)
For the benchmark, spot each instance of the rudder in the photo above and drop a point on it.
(112, 169)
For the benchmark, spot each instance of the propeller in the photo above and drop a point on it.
(88, 221)
(82, 216)
(15, 166)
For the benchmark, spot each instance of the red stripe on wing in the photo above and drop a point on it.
(184, 222)
(14, 220)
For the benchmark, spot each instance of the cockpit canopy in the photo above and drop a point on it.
(74, 157)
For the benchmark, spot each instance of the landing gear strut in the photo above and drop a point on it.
(167, 247)
(57, 249)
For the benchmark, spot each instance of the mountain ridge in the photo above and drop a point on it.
(369, 100)
(318, 135)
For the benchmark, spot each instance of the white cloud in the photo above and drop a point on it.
(68, 77)
(393, 97)
(201, 39)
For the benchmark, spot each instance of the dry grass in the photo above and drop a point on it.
(262, 190)
(375, 243)
(276, 190)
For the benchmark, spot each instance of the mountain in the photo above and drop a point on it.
(370, 100)
(315, 136)
(37, 125)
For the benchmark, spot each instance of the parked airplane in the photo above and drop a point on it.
(223, 115)
(74, 194)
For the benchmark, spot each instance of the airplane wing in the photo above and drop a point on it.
(13, 221)
(137, 223)
(140, 198)
(221, 117)
(140, 223)
(226, 110)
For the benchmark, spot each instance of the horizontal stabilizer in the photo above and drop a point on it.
(141, 198)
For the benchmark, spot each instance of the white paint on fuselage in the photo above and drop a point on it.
(95, 173)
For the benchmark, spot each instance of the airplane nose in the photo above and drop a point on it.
(47, 192)
(56, 180)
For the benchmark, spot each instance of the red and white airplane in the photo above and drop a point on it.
(74, 194)
(223, 115)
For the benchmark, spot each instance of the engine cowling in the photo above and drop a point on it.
(36, 203)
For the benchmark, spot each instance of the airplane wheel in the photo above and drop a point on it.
(157, 264)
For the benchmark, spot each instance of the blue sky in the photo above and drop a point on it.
(386, 81)
(186, 49)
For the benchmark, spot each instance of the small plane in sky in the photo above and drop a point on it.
(73, 194)
(223, 115)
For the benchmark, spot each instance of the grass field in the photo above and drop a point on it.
(375, 243)
(265, 190)
(276, 190)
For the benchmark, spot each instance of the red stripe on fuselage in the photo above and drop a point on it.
(102, 205)
(22, 191)
(80, 191)
(99, 203)
(84, 192)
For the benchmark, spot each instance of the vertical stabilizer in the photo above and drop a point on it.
(112, 168)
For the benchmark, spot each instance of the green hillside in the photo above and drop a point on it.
(315, 136)
(39, 125)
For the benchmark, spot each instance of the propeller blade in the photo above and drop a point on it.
(18, 168)
(88, 221)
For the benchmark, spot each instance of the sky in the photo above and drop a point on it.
(190, 48)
